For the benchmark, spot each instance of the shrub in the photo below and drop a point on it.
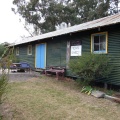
(91, 66)
(2, 49)
(3, 83)
(5, 63)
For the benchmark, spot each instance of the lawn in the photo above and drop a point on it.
(49, 99)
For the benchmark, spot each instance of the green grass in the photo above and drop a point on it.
(49, 99)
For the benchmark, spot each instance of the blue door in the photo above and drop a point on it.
(41, 56)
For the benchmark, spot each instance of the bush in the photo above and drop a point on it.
(91, 66)
(5, 63)
(2, 49)
(3, 83)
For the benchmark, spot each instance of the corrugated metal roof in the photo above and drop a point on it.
(109, 20)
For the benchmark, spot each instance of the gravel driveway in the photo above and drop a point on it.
(22, 76)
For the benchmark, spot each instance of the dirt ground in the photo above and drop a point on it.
(53, 100)
(18, 76)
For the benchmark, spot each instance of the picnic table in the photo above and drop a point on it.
(23, 66)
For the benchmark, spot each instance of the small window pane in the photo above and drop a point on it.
(102, 43)
(96, 39)
(102, 37)
(96, 47)
(29, 50)
(96, 43)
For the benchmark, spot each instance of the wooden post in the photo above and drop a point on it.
(68, 54)
(105, 86)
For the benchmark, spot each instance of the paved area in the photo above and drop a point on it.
(21, 76)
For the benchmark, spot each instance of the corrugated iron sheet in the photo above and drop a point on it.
(106, 21)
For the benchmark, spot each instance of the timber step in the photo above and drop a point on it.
(39, 70)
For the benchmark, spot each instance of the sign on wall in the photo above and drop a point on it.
(76, 50)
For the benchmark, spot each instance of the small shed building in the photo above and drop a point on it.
(101, 36)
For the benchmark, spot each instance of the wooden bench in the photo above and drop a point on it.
(58, 71)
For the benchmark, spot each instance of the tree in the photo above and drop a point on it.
(2, 49)
(114, 6)
(46, 15)
(91, 9)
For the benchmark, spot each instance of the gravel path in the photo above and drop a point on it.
(22, 76)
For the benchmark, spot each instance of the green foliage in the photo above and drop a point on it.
(91, 66)
(92, 9)
(110, 92)
(2, 49)
(87, 89)
(8, 57)
(3, 83)
(5, 62)
(52, 11)
(4, 67)
(45, 15)
(3, 86)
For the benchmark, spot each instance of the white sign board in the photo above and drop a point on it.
(76, 50)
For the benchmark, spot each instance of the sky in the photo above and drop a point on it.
(11, 29)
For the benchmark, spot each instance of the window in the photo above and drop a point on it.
(17, 51)
(99, 42)
(29, 50)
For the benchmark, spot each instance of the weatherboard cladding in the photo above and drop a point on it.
(24, 57)
(106, 21)
(56, 49)
(114, 53)
(56, 52)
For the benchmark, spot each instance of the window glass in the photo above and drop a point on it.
(96, 39)
(96, 43)
(99, 43)
(102, 43)
(29, 49)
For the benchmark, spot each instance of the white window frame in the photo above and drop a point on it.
(106, 43)
(17, 50)
(28, 50)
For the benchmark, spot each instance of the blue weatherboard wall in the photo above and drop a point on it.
(40, 56)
